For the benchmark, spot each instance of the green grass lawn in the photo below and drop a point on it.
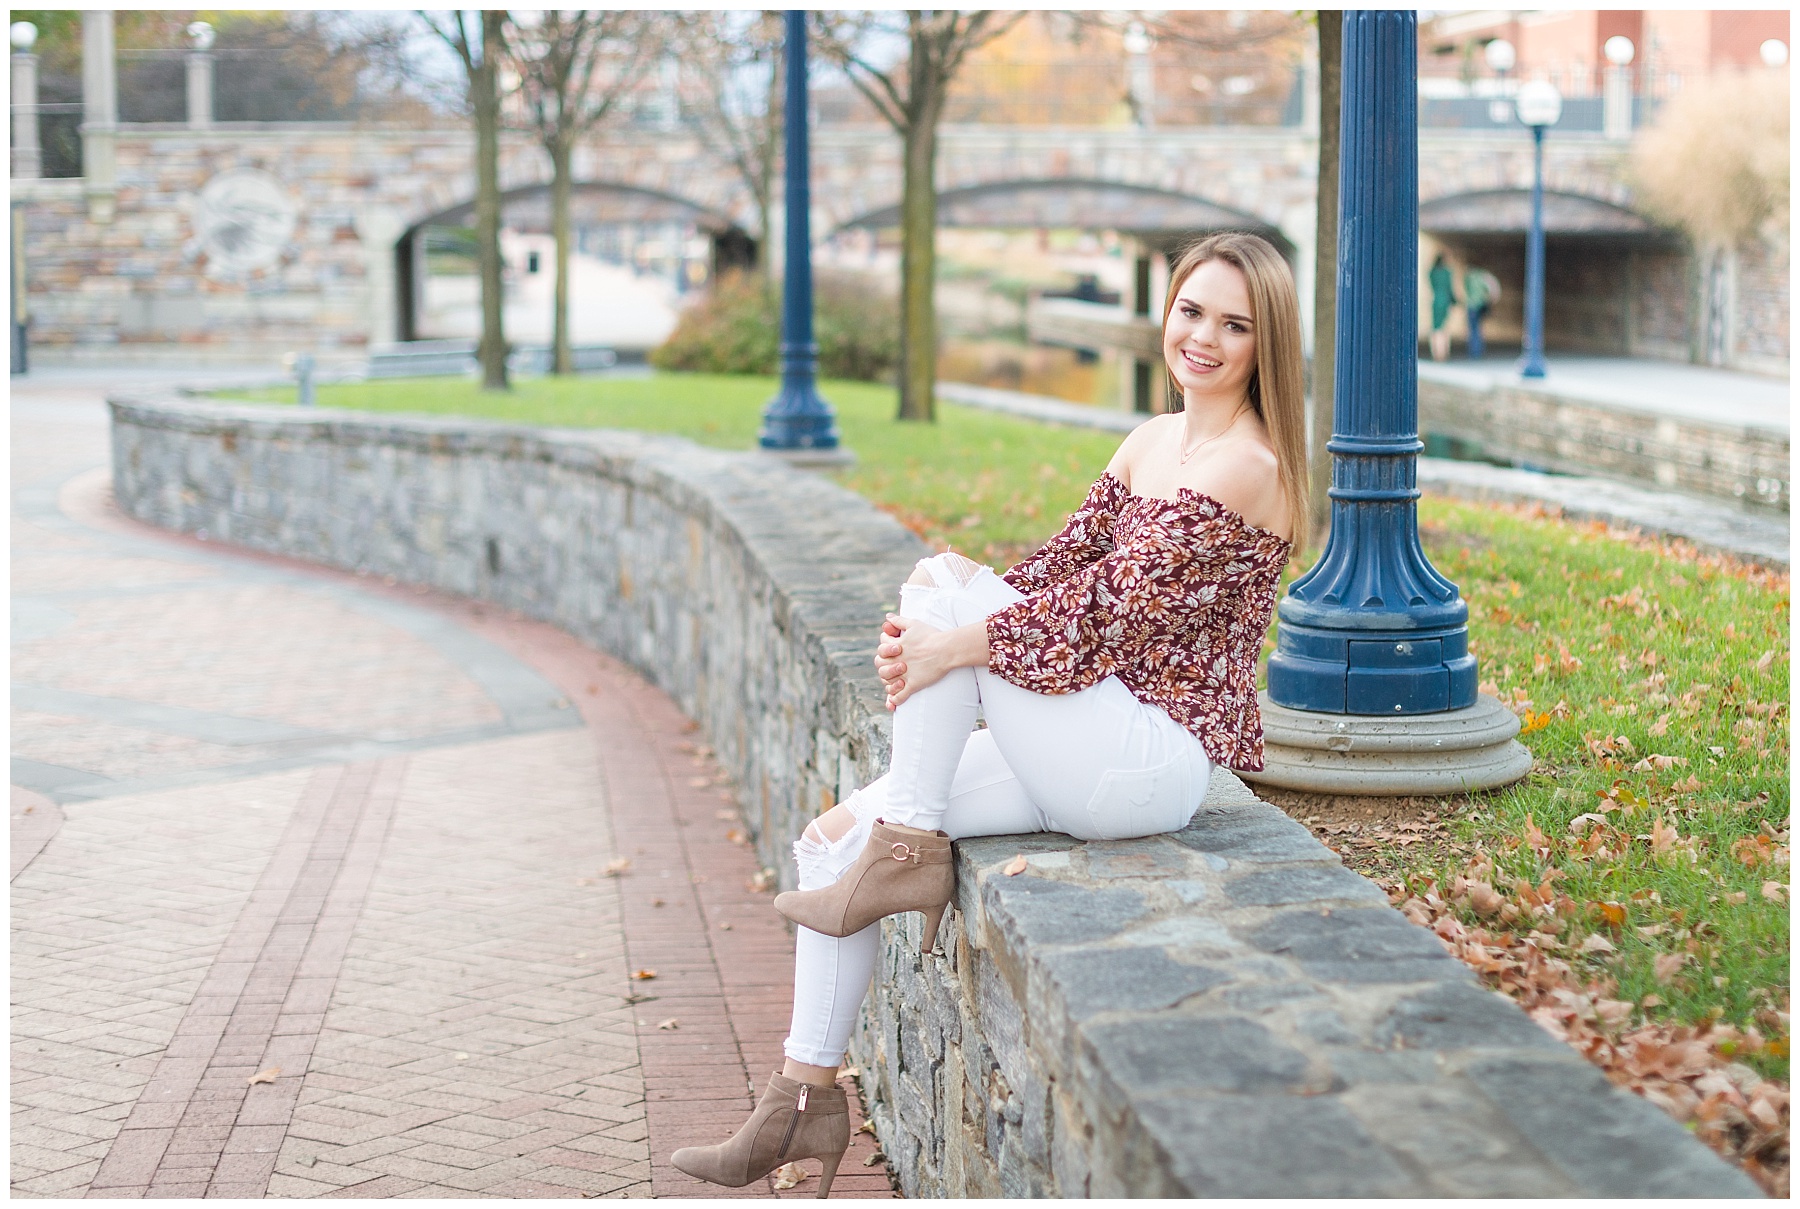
(1654, 688)
(1655, 696)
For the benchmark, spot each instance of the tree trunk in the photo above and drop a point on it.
(1325, 256)
(918, 264)
(485, 95)
(562, 360)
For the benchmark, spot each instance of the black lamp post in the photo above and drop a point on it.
(1373, 628)
(797, 418)
(1539, 106)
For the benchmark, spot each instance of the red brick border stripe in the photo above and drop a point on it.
(729, 988)
(199, 1128)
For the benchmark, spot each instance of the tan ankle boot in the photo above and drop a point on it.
(900, 869)
(791, 1121)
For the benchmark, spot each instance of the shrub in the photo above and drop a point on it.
(1716, 161)
(737, 330)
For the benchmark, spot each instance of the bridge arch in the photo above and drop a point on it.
(593, 202)
(1600, 257)
(1159, 217)
(1502, 212)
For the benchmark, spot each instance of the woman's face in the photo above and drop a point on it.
(1209, 340)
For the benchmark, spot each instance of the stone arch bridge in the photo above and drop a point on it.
(250, 239)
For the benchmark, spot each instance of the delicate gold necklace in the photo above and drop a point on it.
(1188, 453)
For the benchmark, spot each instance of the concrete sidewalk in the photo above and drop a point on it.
(394, 856)
(1664, 388)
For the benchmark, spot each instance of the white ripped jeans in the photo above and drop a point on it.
(1097, 764)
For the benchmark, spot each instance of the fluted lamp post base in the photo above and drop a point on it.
(1458, 751)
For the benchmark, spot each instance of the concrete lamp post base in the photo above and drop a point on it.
(1458, 751)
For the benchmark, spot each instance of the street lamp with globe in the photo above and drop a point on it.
(1616, 100)
(1539, 106)
(1500, 57)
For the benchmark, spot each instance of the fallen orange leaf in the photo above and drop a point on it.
(264, 1076)
(789, 1175)
(1016, 866)
(643, 974)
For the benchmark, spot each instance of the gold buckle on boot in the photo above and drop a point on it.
(903, 853)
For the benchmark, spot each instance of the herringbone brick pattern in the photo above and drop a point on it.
(423, 957)
(115, 927)
(478, 1040)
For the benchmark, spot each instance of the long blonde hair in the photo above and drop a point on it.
(1276, 390)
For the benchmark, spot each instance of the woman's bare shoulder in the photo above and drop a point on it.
(1246, 478)
(1137, 443)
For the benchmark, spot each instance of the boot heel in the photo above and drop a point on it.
(933, 918)
(829, 1173)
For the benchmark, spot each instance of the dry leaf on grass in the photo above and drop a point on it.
(1654, 762)
(643, 975)
(1694, 1073)
(264, 1076)
(1016, 866)
(1774, 891)
(1597, 943)
(789, 1175)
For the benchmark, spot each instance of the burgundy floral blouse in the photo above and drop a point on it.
(1171, 596)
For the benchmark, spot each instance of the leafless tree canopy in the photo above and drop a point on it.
(731, 67)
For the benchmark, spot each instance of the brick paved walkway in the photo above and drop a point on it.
(395, 856)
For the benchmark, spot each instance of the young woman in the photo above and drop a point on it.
(1115, 667)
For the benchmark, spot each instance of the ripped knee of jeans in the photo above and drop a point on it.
(946, 570)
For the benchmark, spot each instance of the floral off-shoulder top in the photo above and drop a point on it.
(1171, 596)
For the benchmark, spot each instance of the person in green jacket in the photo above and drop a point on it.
(1481, 290)
(1443, 297)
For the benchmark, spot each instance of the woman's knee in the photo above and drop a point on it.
(831, 826)
(956, 567)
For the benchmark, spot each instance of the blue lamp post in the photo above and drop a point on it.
(1373, 628)
(1539, 105)
(797, 418)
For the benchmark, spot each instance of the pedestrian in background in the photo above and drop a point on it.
(1481, 290)
(1443, 297)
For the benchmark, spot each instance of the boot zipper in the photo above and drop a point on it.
(793, 1121)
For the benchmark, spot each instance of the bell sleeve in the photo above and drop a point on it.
(1120, 611)
(1086, 538)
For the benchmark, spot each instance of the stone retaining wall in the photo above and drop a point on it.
(1557, 432)
(1225, 1011)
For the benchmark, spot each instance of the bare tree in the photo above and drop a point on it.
(732, 100)
(910, 95)
(1324, 360)
(574, 70)
(479, 42)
